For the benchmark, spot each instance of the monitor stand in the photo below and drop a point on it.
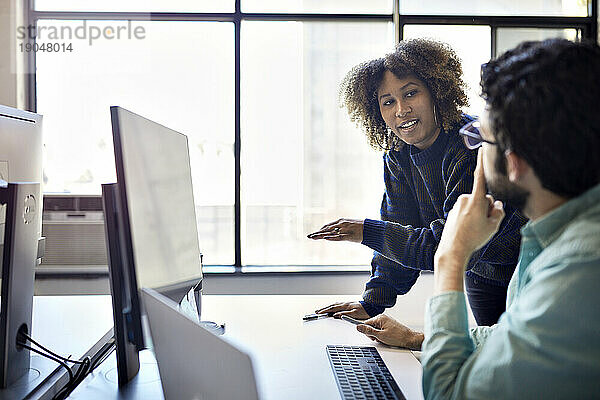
(127, 347)
(20, 372)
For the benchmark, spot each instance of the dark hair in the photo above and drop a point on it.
(434, 63)
(542, 99)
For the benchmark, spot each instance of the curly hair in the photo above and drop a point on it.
(542, 106)
(434, 63)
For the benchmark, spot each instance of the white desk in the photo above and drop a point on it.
(288, 354)
(70, 325)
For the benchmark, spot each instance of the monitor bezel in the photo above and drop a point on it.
(127, 258)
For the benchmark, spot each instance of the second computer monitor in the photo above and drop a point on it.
(151, 226)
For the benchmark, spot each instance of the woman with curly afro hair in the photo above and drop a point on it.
(409, 105)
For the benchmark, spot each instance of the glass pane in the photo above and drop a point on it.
(507, 38)
(304, 163)
(179, 74)
(318, 6)
(569, 8)
(472, 43)
(136, 5)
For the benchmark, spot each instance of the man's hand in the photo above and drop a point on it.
(471, 223)
(387, 330)
(352, 309)
(343, 229)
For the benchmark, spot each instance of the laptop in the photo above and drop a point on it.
(193, 362)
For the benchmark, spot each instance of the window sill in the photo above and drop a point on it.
(97, 271)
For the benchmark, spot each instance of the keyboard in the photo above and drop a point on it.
(360, 373)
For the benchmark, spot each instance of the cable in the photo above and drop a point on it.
(48, 350)
(69, 370)
(86, 365)
(74, 379)
(80, 375)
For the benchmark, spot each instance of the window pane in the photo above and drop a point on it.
(473, 46)
(179, 74)
(507, 38)
(303, 162)
(318, 6)
(569, 8)
(136, 5)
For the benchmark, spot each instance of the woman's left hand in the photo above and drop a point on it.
(391, 332)
(343, 229)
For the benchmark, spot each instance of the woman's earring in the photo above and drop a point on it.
(389, 138)
(435, 116)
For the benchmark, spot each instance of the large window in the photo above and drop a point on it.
(254, 85)
(303, 162)
(179, 75)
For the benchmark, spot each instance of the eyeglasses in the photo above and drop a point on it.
(472, 136)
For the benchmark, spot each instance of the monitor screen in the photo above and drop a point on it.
(155, 185)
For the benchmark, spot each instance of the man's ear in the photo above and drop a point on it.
(516, 167)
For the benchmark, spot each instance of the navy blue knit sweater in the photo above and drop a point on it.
(421, 188)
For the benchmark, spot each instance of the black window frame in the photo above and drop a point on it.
(587, 26)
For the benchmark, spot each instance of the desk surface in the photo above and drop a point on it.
(71, 325)
(288, 354)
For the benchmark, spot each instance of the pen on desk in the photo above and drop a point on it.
(310, 317)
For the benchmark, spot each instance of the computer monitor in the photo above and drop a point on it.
(151, 227)
(20, 229)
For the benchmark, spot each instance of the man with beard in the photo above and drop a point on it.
(540, 139)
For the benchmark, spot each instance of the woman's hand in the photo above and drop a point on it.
(388, 331)
(343, 229)
(352, 309)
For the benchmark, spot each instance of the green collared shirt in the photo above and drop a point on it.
(547, 343)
